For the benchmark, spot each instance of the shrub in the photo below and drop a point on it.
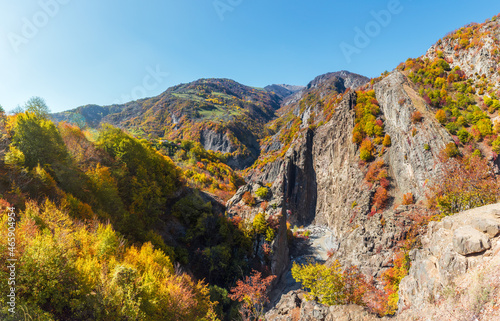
(387, 141)
(380, 198)
(427, 147)
(376, 172)
(248, 199)
(252, 293)
(262, 192)
(451, 150)
(496, 145)
(452, 128)
(324, 283)
(441, 116)
(260, 224)
(270, 234)
(392, 278)
(465, 182)
(331, 285)
(416, 117)
(357, 137)
(408, 199)
(485, 127)
(366, 150)
(464, 136)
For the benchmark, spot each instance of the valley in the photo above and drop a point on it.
(349, 198)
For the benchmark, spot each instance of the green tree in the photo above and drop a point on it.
(485, 127)
(463, 135)
(37, 106)
(39, 140)
(260, 224)
(325, 284)
(262, 192)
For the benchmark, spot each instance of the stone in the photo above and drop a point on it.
(447, 223)
(467, 240)
(313, 311)
(496, 213)
(488, 226)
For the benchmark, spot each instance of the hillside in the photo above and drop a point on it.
(362, 198)
(283, 90)
(221, 114)
(413, 145)
(310, 107)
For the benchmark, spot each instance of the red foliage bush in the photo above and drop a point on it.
(380, 198)
(384, 182)
(248, 199)
(252, 293)
(416, 117)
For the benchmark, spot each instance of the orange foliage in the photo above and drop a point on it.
(380, 198)
(248, 199)
(408, 199)
(251, 292)
(376, 172)
(416, 117)
(466, 182)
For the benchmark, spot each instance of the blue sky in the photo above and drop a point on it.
(75, 52)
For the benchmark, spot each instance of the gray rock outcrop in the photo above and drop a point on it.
(449, 249)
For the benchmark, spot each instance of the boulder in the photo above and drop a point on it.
(467, 240)
(487, 225)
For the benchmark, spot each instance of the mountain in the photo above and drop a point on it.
(313, 105)
(375, 192)
(221, 114)
(373, 163)
(283, 90)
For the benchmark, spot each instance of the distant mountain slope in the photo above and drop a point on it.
(283, 90)
(313, 105)
(221, 114)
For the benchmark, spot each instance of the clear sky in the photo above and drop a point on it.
(77, 52)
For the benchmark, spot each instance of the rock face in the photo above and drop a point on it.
(283, 90)
(413, 155)
(468, 240)
(330, 174)
(449, 250)
(301, 187)
(339, 178)
(473, 60)
(325, 185)
(293, 307)
(325, 161)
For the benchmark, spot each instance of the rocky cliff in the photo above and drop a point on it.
(455, 273)
(413, 156)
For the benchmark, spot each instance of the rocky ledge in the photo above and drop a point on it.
(452, 250)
